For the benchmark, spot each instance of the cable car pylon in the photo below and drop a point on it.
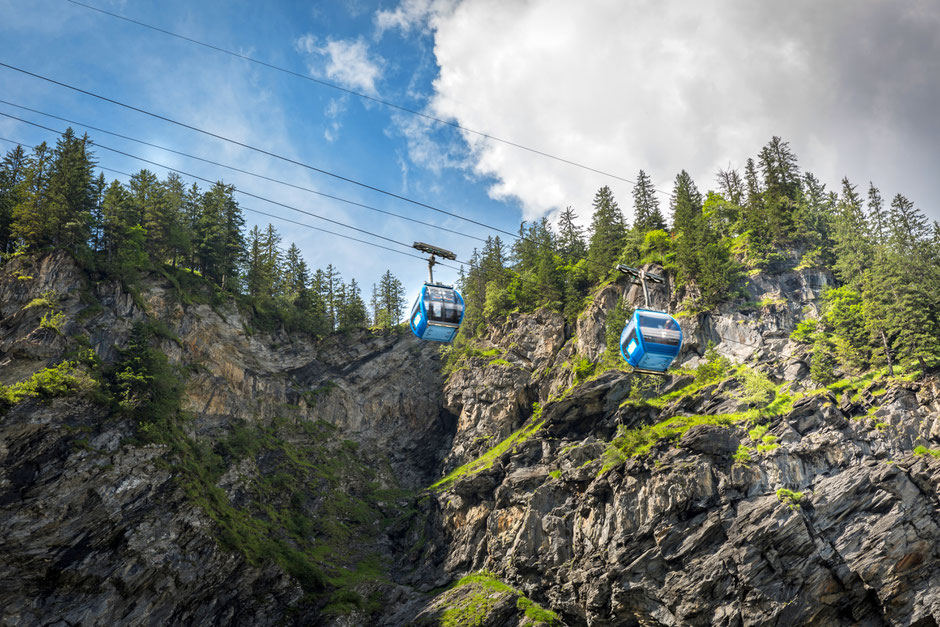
(652, 339)
(438, 311)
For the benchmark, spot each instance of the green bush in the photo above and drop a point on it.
(54, 320)
(790, 497)
(715, 367)
(583, 368)
(63, 379)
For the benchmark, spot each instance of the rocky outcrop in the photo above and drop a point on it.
(803, 508)
(348, 482)
(99, 527)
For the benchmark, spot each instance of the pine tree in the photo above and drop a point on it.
(779, 167)
(178, 236)
(122, 238)
(877, 219)
(31, 224)
(352, 312)
(219, 241)
(608, 232)
(731, 186)
(687, 223)
(571, 243)
(853, 250)
(391, 301)
(647, 216)
(70, 192)
(11, 181)
(331, 290)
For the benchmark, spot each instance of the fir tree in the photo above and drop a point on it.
(571, 244)
(11, 180)
(647, 216)
(608, 231)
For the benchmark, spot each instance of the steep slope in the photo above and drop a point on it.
(731, 495)
(271, 490)
(162, 462)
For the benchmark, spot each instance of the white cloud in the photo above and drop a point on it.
(665, 86)
(346, 61)
(411, 15)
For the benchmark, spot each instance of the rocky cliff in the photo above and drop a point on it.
(357, 481)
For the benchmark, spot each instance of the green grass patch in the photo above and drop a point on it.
(500, 362)
(45, 300)
(743, 454)
(636, 442)
(921, 450)
(489, 458)
(472, 610)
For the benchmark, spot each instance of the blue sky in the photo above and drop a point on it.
(618, 86)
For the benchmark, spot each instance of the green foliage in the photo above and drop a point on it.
(64, 379)
(742, 455)
(47, 299)
(805, 331)
(583, 368)
(473, 597)
(487, 460)
(714, 368)
(757, 389)
(822, 367)
(53, 320)
(146, 386)
(636, 442)
(921, 450)
(790, 497)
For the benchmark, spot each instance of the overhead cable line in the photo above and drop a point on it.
(358, 94)
(286, 206)
(280, 204)
(270, 215)
(255, 149)
(292, 161)
(242, 171)
(211, 182)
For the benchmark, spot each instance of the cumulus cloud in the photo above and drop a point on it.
(411, 15)
(345, 61)
(664, 86)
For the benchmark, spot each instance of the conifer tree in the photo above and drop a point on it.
(608, 232)
(390, 304)
(731, 186)
(647, 216)
(11, 181)
(876, 215)
(687, 223)
(219, 240)
(853, 250)
(352, 310)
(570, 237)
(31, 221)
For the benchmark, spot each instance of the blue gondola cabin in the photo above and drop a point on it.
(651, 341)
(437, 313)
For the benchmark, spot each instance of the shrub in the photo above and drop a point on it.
(790, 497)
(54, 320)
(583, 368)
(714, 368)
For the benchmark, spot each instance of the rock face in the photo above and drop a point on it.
(362, 480)
(99, 528)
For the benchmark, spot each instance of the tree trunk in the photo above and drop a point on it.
(884, 341)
